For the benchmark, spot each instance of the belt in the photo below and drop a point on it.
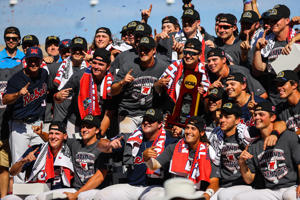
(29, 120)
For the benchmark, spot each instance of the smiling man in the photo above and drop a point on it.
(48, 163)
(288, 87)
(26, 94)
(86, 100)
(188, 158)
(140, 180)
(11, 56)
(134, 83)
(278, 166)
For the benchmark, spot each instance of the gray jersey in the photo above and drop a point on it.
(121, 59)
(290, 114)
(229, 166)
(278, 164)
(137, 96)
(86, 161)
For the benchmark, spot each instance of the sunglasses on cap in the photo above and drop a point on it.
(225, 27)
(15, 39)
(191, 53)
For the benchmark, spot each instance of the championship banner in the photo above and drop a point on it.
(188, 101)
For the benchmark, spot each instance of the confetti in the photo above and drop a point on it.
(82, 18)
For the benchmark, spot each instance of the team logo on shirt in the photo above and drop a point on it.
(272, 164)
(37, 93)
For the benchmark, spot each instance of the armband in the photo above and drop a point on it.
(210, 192)
(276, 133)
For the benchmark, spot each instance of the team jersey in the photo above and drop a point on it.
(32, 105)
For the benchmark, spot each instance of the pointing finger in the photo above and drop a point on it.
(265, 33)
(155, 33)
(219, 79)
(173, 38)
(68, 89)
(130, 71)
(252, 96)
(27, 85)
(247, 147)
(35, 150)
(150, 8)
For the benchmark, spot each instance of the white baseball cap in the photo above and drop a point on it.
(181, 188)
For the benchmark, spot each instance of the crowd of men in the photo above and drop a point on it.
(95, 122)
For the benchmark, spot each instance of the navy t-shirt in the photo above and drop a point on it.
(246, 117)
(32, 105)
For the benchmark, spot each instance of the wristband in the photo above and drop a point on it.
(247, 1)
(276, 133)
(210, 192)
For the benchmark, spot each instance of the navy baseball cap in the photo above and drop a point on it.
(228, 18)
(143, 30)
(30, 40)
(265, 106)
(170, 19)
(60, 126)
(216, 52)
(79, 42)
(197, 121)
(34, 52)
(216, 93)
(249, 16)
(191, 13)
(193, 43)
(103, 30)
(155, 114)
(103, 54)
(147, 42)
(52, 40)
(92, 120)
(287, 75)
(279, 11)
(237, 77)
(132, 25)
(66, 43)
(231, 109)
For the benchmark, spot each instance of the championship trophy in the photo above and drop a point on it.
(188, 101)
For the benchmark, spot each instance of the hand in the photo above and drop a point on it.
(164, 81)
(206, 196)
(178, 47)
(87, 56)
(30, 157)
(217, 83)
(298, 191)
(245, 45)
(128, 78)
(176, 132)
(1, 144)
(149, 153)
(252, 104)
(210, 43)
(262, 42)
(159, 36)
(270, 141)
(38, 129)
(24, 90)
(201, 89)
(287, 49)
(295, 20)
(63, 94)
(146, 13)
(116, 143)
(245, 155)
(71, 195)
(48, 59)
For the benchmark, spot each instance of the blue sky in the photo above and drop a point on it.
(67, 18)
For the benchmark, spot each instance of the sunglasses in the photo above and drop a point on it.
(191, 53)
(225, 27)
(149, 120)
(15, 39)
